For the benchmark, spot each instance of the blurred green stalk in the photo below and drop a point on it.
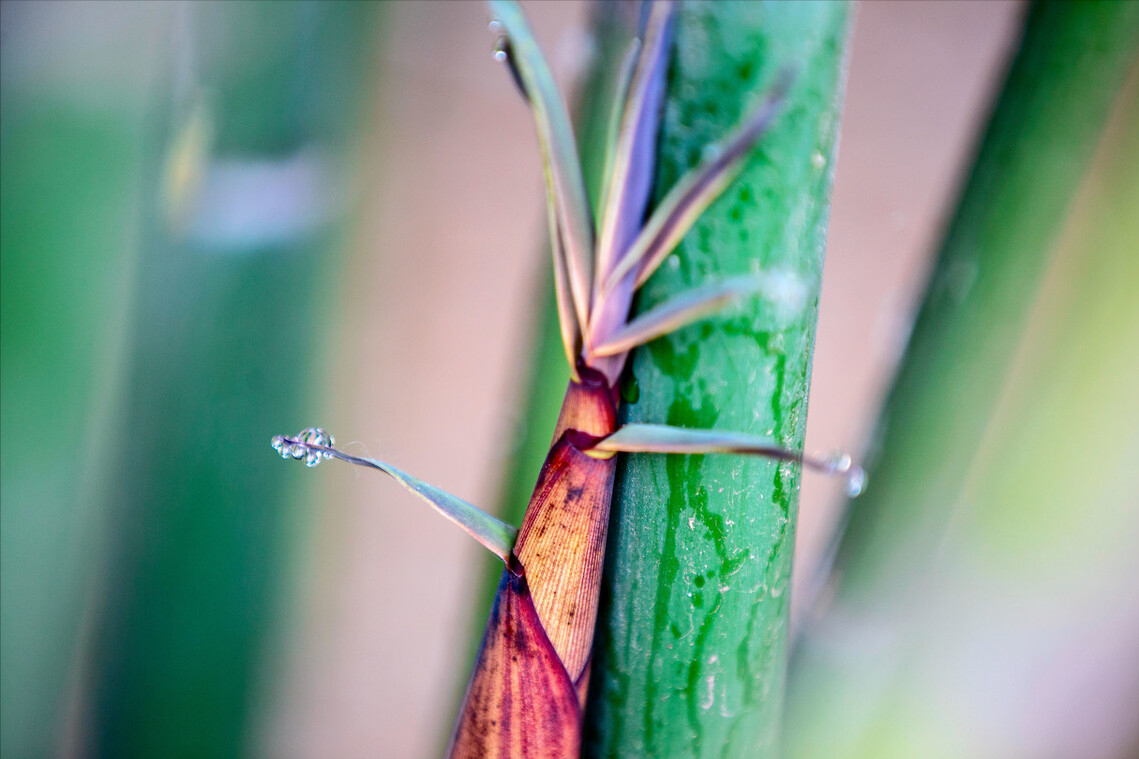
(70, 168)
(690, 655)
(1001, 504)
(1033, 156)
(224, 352)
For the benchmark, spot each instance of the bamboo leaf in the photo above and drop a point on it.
(629, 181)
(688, 199)
(494, 534)
(572, 235)
(613, 135)
(663, 438)
(569, 327)
(786, 291)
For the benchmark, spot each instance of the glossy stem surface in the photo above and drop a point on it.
(690, 655)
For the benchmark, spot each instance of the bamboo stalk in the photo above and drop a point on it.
(691, 643)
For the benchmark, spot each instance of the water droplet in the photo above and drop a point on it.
(855, 482)
(278, 443)
(312, 458)
(502, 48)
(818, 160)
(840, 462)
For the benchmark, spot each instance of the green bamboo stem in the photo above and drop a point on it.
(690, 654)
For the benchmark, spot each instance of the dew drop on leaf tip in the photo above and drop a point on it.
(301, 446)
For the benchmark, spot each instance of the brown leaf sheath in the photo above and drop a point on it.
(547, 599)
(520, 702)
(561, 543)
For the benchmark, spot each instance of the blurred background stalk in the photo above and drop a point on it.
(966, 613)
(233, 293)
(207, 241)
(70, 164)
(690, 655)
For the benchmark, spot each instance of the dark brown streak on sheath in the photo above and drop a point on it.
(526, 693)
(562, 540)
(520, 702)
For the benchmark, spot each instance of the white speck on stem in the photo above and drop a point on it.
(709, 693)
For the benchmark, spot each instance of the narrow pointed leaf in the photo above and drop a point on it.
(564, 183)
(629, 181)
(568, 325)
(662, 438)
(613, 130)
(628, 185)
(787, 292)
(696, 191)
(497, 536)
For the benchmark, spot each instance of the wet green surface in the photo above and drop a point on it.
(690, 654)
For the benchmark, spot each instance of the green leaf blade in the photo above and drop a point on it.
(572, 235)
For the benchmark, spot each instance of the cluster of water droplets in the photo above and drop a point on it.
(299, 446)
